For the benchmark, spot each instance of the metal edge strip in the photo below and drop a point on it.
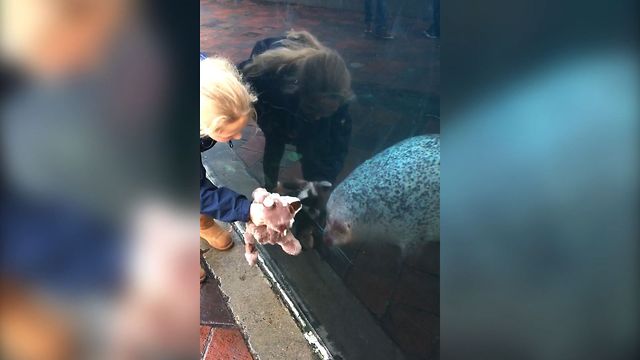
(289, 299)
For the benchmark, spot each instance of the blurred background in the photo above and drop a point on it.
(540, 178)
(97, 199)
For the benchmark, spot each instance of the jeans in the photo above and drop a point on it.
(380, 16)
(273, 152)
(435, 26)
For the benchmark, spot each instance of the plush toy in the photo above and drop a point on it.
(273, 226)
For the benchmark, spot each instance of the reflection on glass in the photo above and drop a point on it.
(303, 90)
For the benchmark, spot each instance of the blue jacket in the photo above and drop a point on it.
(220, 203)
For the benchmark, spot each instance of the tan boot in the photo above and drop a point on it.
(216, 236)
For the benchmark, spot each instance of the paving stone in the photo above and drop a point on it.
(227, 344)
(416, 332)
(419, 290)
(213, 306)
(426, 258)
(205, 331)
(373, 276)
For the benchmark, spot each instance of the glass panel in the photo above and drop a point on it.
(347, 121)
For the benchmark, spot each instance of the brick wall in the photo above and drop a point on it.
(408, 8)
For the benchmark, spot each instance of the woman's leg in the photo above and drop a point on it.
(434, 30)
(368, 14)
(381, 16)
(273, 152)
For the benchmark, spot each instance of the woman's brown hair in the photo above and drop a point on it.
(317, 71)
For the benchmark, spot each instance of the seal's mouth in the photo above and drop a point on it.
(336, 232)
(327, 238)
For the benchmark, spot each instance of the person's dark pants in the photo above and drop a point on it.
(380, 20)
(435, 26)
(273, 151)
(313, 168)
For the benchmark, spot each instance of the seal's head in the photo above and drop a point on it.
(340, 219)
(337, 232)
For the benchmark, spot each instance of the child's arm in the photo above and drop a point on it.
(222, 203)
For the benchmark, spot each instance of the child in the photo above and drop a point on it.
(226, 106)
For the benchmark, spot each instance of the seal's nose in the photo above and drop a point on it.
(327, 238)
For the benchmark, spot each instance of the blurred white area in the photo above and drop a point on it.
(159, 311)
(83, 136)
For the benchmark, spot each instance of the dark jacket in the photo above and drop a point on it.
(323, 143)
(220, 203)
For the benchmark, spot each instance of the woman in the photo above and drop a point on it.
(303, 92)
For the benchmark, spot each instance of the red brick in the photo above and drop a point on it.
(225, 26)
(373, 276)
(417, 333)
(204, 338)
(426, 258)
(227, 344)
(418, 290)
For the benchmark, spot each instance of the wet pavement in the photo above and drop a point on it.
(220, 335)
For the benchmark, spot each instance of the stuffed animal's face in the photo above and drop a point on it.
(279, 211)
(279, 214)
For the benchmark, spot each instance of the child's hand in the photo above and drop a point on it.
(256, 214)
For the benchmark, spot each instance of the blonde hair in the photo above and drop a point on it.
(232, 99)
(317, 70)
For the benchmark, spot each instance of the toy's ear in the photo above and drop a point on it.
(268, 202)
(259, 194)
(294, 207)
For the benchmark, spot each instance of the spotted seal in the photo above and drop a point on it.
(394, 196)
